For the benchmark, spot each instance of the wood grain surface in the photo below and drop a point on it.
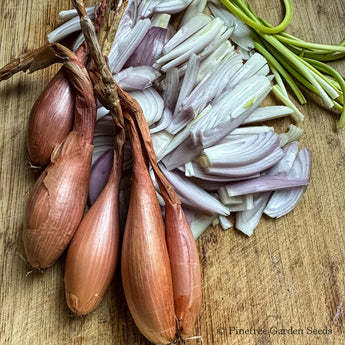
(290, 273)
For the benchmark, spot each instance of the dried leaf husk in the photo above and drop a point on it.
(57, 201)
(185, 268)
(145, 267)
(94, 251)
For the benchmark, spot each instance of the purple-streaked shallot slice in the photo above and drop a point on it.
(171, 6)
(136, 78)
(220, 120)
(265, 183)
(171, 89)
(180, 137)
(246, 131)
(212, 86)
(125, 45)
(146, 8)
(284, 201)
(244, 151)
(128, 19)
(213, 60)
(216, 43)
(67, 28)
(222, 127)
(236, 203)
(189, 80)
(214, 186)
(284, 166)
(164, 121)
(268, 113)
(194, 44)
(250, 68)
(69, 14)
(247, 221)
(151, 46)
(249, 169)
(241, 35)
(193, 195)
(192, 26)
(151, 103)
(195, 8)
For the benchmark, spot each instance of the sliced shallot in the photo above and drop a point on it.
(282, 202)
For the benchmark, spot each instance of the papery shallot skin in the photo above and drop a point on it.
(51, 117)
(145, 267)
(56, 204)
(185, 268)
(94, 251)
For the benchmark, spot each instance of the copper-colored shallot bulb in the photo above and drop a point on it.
(145, 267)
(51, 117)
(185, 268)
(57, 201)
(94, 251)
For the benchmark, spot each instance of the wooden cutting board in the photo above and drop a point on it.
(288, 275)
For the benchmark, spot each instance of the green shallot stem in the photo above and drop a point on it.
(280, 94)
(294, 59)
(279, 80)
(338, 106)
(324, 81)
(290, 69)
(247, 9)
(320, 55)
(310, 45)
(331, 71)
(257, 26)
(273, 62)
(305, 82)
(327, 69)
(298, 65)
(300, 78)
(299, 47)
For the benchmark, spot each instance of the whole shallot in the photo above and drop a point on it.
(94, 251)
(145, 265)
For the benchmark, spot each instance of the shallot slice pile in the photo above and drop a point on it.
(200, 90)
